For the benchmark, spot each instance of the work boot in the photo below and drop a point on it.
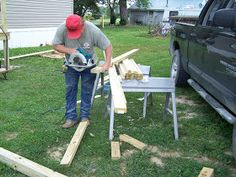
(69, 123)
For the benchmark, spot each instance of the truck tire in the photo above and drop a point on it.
(177, 70)
(234, 141)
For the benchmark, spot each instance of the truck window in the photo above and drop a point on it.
(216, 5)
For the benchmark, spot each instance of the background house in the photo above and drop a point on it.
(33, 23)
(161, 10)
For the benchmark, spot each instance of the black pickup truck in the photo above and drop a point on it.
(204, 56)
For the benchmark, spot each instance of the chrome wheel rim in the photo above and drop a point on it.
(174, 68)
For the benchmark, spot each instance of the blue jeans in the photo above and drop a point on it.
(87, 81)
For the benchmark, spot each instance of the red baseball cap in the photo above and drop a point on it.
(74, 25)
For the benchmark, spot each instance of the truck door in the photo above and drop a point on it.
(220, 61)
(197, 40)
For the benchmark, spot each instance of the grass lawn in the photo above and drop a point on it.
(32, 111)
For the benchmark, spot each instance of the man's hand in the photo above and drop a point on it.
(71, 50)
(105, 66)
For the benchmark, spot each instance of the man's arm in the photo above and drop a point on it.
(108, 54)
(63, 49)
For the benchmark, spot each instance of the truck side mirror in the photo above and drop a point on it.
(225, 18)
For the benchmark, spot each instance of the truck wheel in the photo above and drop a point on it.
(234, 141)
(177, 70)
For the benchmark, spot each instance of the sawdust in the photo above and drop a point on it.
(56, 153)
(53, 55)
(11, 136)
(123, 169)
(185, 100)
(128, 153)
(157, 161)
(188, 115)
(157, 151)
(229, 153)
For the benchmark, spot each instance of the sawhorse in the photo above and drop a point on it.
(147, 85)
(153, 85)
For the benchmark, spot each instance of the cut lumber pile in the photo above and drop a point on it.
(117, 92)
(74, 144)
(128, 69)
(26, 166)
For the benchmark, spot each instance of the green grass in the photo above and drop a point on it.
(32, 110)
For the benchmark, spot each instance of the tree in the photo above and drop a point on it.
(112, 4)
(124, 11)
(143, 3)
(83, 6)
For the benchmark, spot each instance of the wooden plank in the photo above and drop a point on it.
(3, 70)
(115, 150)
(138, 72)
(123, 56)
(30, 54)
(206, 172)
(97, 69)
(74, 144)
(134, 142)
(117, 92)
(115, 60)
(26, 166)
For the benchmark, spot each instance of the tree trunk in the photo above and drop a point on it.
(112, 16)
(123, 12)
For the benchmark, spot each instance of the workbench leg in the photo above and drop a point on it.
(145, 104)
(166, 106)
(175, 120)
(108, 106)
(95, 87)
(102, 84)
(111, 120)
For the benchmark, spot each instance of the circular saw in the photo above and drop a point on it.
(80, 62)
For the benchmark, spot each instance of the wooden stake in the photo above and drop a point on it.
(26, 166)
(74, 144)
(136, 143)
(115, 150)
(206, 172)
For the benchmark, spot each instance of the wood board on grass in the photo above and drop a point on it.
(115, 150)
(134, 142)
(206, 172)
(74, 143)
(26, 166)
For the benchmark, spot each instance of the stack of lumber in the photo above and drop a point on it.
(118, 97)
(128, 69)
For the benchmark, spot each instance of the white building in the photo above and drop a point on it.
(160, 11)
(33, 23)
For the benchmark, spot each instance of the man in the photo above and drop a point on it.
(72, 36)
